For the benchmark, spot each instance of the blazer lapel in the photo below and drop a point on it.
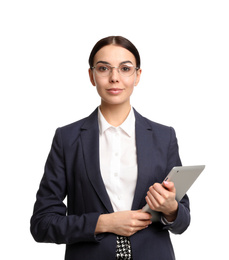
(145, 158)
(144, 143)
(90, 141)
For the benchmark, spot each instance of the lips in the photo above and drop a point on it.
(114, 91)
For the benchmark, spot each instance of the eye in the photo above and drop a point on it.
(102, 68)
(126, 68)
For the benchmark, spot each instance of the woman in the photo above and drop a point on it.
(109, 165)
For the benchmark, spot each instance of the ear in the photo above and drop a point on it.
(91, 76)
(139, 72)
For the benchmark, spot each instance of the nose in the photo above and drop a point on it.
(114, 75)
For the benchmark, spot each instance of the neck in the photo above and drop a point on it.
(115, 114)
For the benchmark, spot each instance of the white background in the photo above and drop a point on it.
(44, 49)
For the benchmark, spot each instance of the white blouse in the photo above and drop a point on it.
(118, 160)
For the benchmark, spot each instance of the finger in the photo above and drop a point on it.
(140, 224)
(142, 220)
(158, 188)
(157, 193)
(144, 216)
(169, 185)
(164, 190)
(152, 202)
(155, 199)
(132, 230)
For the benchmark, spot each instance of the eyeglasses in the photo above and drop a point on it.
(104, 70)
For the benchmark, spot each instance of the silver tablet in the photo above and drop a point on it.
(183, 177)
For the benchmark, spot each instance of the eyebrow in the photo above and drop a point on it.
(105, 62)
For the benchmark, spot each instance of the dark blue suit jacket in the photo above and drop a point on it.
(72, 169)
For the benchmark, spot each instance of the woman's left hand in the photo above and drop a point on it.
(162, 198)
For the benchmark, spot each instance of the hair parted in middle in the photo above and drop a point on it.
(115, 40)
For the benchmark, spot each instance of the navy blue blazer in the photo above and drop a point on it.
(72, 169)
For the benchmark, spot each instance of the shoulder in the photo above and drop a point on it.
(72, 131)
(151, 124)
(160, 131)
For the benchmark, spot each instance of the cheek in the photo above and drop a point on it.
(129, 82)
(101, 85)
(100, 82)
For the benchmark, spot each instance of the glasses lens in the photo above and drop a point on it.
(126, 70)
(103, 70)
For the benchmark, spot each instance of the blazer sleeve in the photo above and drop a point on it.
(183, 216)
(49, 222)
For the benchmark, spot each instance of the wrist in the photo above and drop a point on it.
(172, 215)
(102, 225)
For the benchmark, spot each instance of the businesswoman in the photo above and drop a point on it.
(109, 165)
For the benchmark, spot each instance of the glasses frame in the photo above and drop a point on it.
(118, 69)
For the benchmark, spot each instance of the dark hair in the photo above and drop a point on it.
(115, 40)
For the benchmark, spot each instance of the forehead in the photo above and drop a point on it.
(114, 55)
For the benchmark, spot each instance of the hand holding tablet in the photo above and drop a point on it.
(183, 177)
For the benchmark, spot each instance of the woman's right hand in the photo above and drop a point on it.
(123, 223)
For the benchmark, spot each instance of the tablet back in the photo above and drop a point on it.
(183, 177)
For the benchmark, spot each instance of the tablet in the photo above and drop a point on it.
(183, 177)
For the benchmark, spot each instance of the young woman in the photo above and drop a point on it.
(109, 165)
